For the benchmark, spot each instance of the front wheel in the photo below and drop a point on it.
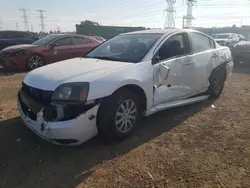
(35, 61)
(118, 115)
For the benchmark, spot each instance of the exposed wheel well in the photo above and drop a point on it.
(138, 91)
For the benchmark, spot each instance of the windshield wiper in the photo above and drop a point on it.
(105, 58)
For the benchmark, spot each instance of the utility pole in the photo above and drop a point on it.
(183, 21)
(58, 28)
(17, 26)
(42, 20)
(170, 17)
(31, 26)
(1, 24)
(189, 17)
(25, 18)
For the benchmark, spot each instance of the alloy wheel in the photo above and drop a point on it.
(126, 115)
(35, 61)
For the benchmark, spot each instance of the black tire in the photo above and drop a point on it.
(217, 81)
(30, 65)
(107, 114)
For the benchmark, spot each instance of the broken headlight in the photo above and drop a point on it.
(71, 93)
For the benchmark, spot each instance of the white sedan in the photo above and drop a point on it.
(131, 75)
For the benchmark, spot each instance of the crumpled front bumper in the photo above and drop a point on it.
(70, 132)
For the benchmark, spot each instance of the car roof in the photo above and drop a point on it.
(153, 31)
(16, 31)
(72, 35)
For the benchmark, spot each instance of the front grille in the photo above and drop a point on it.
(40, 95)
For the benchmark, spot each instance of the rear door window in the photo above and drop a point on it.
(81, 40)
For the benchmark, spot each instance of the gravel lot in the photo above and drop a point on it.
(201, 145)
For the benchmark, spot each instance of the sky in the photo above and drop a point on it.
(65, 14)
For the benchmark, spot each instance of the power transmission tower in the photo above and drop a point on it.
(189, 17)
(170, 17)
(25, 18)
(42, 20)
(31, 26)
(58, 29)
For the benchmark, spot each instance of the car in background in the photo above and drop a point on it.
(242, 38)
(130, 75)
(10, 38)
(241, 52)
(99, 38)
(226, 39)
(48, 49)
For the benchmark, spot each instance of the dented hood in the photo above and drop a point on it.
(74, 70)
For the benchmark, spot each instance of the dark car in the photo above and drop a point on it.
(10, 38)
(49, 49)
(241, 52)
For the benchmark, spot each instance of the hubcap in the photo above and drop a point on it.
(126, 116)
(35, 62)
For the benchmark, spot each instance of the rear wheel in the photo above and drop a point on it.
(118, 115)
(217, 80)
(35, 61)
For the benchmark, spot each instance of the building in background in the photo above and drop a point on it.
(93, 28)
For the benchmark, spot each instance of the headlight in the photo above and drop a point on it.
(71, 93)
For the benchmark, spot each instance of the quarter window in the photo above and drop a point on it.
(64, 42)
(200, 43)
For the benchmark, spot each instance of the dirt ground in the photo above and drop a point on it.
(202, 145)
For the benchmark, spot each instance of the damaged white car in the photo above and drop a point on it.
(124, 78)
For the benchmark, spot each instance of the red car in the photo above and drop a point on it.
(49, 49)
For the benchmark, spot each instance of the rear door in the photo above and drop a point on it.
(82, 46)
(63, 49)
(204, 55)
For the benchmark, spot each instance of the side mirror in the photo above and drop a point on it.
(162, 75)
(164, 71)
(156, 59)
(52, 46)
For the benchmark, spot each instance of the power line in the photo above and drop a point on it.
(170, 20)
(42, 20)
(25, 18)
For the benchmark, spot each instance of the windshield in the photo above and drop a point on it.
(224, 36)
(45, 40)
(126, 48)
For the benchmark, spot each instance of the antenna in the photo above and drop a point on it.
(170, 19)
(25, 18)
(42, 20)
(189, 17)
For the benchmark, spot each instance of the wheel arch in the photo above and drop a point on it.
(138, 91)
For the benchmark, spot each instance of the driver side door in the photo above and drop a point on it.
(62, 49)
(174, 70)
